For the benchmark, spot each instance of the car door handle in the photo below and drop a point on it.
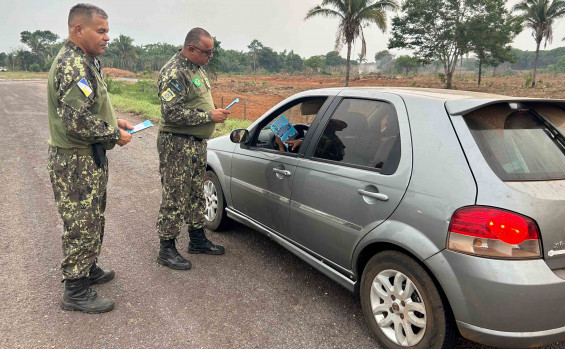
(283, 172)
(377, 196)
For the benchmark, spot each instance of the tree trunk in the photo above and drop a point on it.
(448, 79)
(347, 66)
(480, 71)
(536, 63)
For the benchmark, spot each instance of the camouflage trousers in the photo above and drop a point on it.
(80, 193)
(182, 164)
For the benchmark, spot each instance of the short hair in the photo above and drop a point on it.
(85, 10)
(194, 36)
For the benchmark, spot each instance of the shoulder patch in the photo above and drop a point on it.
(175, 84)
(167, 95)
(197, 82)
(84, 87)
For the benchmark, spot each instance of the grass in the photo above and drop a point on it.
(14, 75)
(141, 98)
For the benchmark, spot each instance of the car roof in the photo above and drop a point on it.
(457, 102)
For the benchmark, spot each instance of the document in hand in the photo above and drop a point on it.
(140, 126)
(284, 129)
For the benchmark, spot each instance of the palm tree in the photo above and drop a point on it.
(126, 51)
(539, 15)
(353, 16)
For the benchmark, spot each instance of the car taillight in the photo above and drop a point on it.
(494, 233)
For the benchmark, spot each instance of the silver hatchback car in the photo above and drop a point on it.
(444, 210)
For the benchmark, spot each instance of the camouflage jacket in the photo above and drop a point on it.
(186, 98)
(79, 109)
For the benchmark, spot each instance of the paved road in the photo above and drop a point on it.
(256, 296)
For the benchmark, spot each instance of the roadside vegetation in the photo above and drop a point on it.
(11, 75)
(141, 98)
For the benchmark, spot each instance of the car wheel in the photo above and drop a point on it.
(402, 305)
(215, 214)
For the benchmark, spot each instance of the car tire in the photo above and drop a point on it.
(215, 213)
(403, 316)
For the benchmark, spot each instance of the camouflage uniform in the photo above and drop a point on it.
(80, 114)
(185, 124)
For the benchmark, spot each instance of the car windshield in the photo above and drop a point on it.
(519, 144)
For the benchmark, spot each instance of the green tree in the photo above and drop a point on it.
(490, 31)
(125, 50)
(383, 57)
(215, 65)
(333, 59)
(434, 30)
(314, 62)
(39, 42)
(353, 15)
(269, 59)
(539, 16)
(406, 64)
(254, 47)
(292, 62)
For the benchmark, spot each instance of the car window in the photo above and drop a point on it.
(299, 114)
(362, 133)
(517, 144)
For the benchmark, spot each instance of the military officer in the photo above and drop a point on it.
(187, 119)
(83, 126)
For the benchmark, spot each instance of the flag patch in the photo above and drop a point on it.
(84, 87)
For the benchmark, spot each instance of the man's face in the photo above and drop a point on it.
(94, 36)
(200, 58)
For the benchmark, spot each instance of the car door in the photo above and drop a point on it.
(262, 175)
(342, 191)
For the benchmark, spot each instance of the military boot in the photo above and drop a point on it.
(200, 244)
(170, 257)
(80, 296)
(99, 276)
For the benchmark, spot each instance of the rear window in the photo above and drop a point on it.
(520, 144)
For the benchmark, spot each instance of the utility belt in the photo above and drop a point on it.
(97, 151)
(183, 135)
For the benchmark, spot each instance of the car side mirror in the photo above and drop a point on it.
(239, 136)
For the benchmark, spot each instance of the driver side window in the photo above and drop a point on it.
(285, 129)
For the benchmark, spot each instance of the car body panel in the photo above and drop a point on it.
(319, 216)
(324, 226)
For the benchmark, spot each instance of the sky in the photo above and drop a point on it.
(278, 24)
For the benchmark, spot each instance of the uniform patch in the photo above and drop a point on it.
(197, 82)
(84, 87)
(167, 95)
(175, 84)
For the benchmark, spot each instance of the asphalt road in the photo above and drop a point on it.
(257, 295)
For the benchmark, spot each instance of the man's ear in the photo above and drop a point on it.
(78, 30)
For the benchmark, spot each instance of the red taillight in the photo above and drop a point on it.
(493, 232)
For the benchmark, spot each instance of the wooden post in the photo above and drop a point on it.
(244, 110)
(222, 102)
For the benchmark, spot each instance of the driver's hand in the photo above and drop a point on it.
(294, 144)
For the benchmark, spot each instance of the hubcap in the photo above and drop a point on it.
(398, 308)
(211, 196)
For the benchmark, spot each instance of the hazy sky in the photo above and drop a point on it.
(278, 24)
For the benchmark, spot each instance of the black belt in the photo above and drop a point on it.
(183, 135)
(72, 151)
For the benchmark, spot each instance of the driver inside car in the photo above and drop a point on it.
(293, 144)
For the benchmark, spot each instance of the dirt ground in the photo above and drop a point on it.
(258, 93)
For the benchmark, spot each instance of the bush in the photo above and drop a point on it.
(112, 86)
(35, 67)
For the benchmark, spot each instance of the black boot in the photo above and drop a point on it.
(99, 276)
(79, 296)
(200, 244)
(170, 257)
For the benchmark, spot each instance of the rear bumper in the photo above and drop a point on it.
(502, 303)
(510, 339)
